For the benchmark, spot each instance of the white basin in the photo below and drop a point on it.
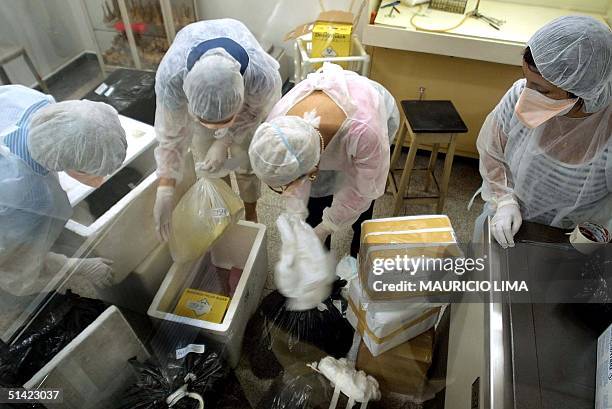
(125, 233)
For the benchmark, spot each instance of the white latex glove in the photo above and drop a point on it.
(296, 197)
(356, 385)
(322, 231)
(506, 223)
(162, 212)
(216, 155)
(97, 270)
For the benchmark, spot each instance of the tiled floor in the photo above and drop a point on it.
(77, 80)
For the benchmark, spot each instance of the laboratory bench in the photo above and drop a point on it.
(473, 65)
(537, 354)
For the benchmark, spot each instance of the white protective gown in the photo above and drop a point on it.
(33, 206)
(175, 129)
(560, 173)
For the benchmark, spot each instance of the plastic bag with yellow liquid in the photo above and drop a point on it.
(201, 217)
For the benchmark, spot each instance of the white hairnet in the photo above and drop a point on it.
(214, 87)
(284, 149)
(85, 136)
(575, 54)
(174, 127)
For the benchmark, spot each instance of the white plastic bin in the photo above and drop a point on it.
(126, 232)
(137, 290)
(93, 369)
(242, 245)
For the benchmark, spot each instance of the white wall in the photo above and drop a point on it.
(592, 6)
(269, 20)
(48, 29)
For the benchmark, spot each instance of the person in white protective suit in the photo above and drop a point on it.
(546, 149)
(38, 138)
(328, 139)
(214, 86)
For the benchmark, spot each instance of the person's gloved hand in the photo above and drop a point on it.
(97, 270)
(216, 155)
(506, 223)
(296, 198)
(162, 212)
(322, 231)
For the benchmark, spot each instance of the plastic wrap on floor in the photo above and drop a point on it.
(280, 338)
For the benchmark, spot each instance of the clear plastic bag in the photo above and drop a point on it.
(201, 217)
(299, 387)
(281, 337)
(327, 384)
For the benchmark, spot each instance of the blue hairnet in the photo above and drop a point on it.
(575, 54)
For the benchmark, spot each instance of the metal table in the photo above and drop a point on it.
(538, 355)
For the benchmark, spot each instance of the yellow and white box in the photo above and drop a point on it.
(331, 35)
(202, 305)
(384, 330)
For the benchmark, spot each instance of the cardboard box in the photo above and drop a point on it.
(332, 33)
(391, 224)
(429, 236)
(384, 330)
(402, 369)
(331, 36)
(603, 385)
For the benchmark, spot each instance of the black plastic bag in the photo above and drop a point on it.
(296, 336)
(201, 374)
(66, 316)
(113, 190)
(130, 92)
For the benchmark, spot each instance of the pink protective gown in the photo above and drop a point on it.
(358, 155)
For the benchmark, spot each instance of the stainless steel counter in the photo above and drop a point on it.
(538, 355)
(498, 378)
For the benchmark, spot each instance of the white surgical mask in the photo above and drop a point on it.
(533, 108)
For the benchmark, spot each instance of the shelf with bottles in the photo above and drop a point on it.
(117, 51)
(136, 33)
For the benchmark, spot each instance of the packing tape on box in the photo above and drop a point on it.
(363, 329)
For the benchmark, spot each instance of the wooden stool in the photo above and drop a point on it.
(432, 123)
(10, 52)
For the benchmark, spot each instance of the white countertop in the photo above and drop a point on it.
(139, 135)
(474, 39)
